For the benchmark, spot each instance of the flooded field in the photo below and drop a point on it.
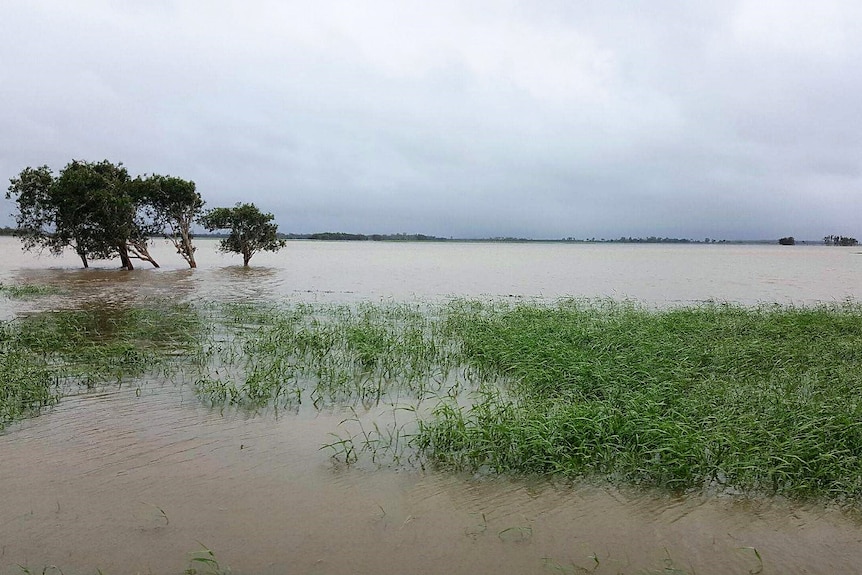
(146, 473)
(129, 483)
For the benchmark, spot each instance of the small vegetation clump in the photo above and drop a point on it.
(22, 291)
(326, 356)
(716, 397)
(46, 355)
(27, 385)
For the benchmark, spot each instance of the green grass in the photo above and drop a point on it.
(27, 386)
(23, 291)
(46, 355)
(714, 398)
(326, 356)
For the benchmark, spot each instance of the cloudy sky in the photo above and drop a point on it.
(540, 118)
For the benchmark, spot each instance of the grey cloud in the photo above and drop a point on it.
(551, 119)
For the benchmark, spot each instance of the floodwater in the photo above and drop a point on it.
(349, 271)
(137, 479)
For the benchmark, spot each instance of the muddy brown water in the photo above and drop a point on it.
(137, 479)
(350, 271)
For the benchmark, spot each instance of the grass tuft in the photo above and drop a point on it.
(24, 291)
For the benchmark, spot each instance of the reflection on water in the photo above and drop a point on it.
(134, 479)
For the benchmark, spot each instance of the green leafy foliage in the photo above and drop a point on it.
(89, 207)
(173, 204)
(251, 230)
(99, 211)
(37, 215)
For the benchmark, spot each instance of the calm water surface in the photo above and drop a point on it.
(133, 481)
(346, 271)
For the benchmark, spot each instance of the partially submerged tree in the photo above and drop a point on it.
(45, 219)
(56, 212)
(251, 230)
(92, 207)
(173, 204)
(111, 210)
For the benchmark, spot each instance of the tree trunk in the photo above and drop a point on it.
(189, 250)
(83, 257)
(124, 257)
(246, 256)
(138, 249)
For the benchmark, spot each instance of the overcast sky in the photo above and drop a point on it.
(463, 118)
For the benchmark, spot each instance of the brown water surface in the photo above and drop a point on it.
(133, 483)
(348, 271)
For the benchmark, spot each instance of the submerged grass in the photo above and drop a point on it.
(23, 291)
(714, 397)
(48, 354)
(26, 386)
(328, 357)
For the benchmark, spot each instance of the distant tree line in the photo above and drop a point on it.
(99, 211)
(654, 240)
(840, 241)
(341, 236)
(787, 241)
(646, 240)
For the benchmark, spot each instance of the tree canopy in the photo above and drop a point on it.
(98, 210)
(173, 204)
(86, 207)
(251, 230)
(41, 222)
